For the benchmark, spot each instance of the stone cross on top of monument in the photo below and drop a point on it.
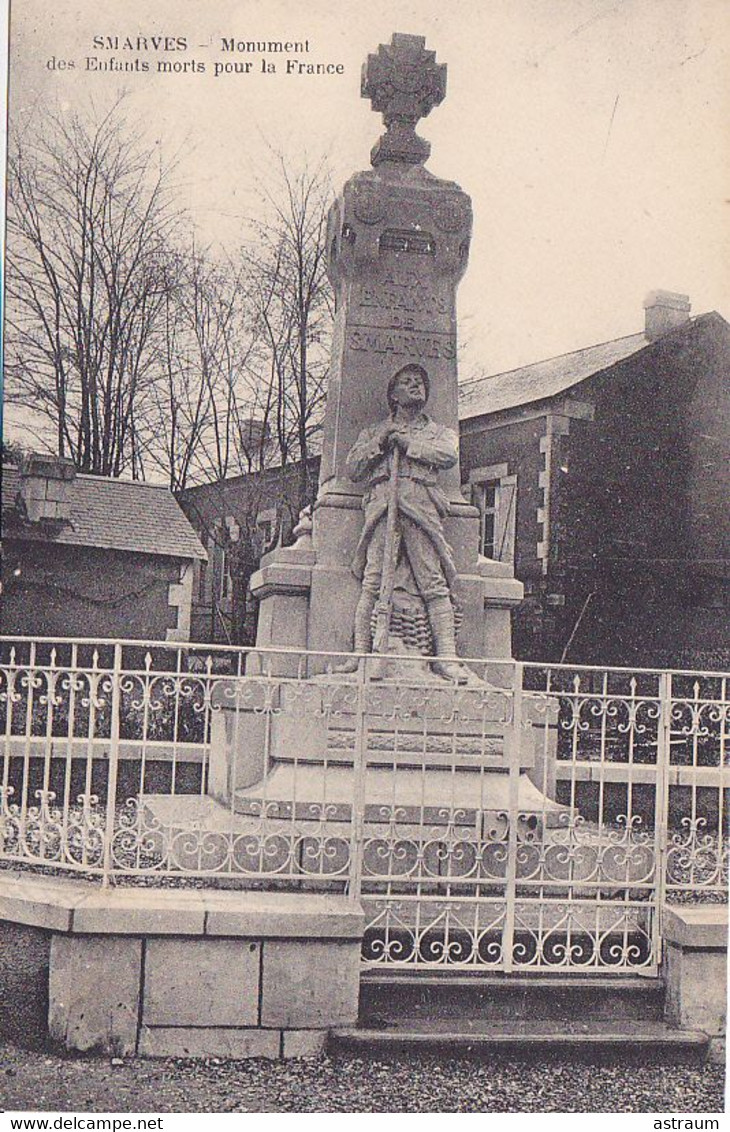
(404, 83)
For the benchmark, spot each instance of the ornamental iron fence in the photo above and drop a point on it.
(536, 818)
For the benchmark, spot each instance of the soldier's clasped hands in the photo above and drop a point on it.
(393, 435)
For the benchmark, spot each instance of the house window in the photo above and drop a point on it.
(266, 525)
(494, 494)
(226, 583)
(202, 580)
(486, 501)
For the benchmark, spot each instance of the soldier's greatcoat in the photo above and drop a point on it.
(421, 503)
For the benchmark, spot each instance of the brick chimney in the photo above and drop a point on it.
(45, 487)
(664, 310)
(254, 435)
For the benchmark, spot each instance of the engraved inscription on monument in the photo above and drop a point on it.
(405, 343)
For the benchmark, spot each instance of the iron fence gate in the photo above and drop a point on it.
(556, 860)
(535, 819)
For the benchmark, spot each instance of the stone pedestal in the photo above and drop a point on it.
(397, 246)
(695, 971)
(283, 586)
(422, 743)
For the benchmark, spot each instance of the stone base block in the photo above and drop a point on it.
(94, 988)
(486, 626)
(282, 587)
(304, 1043)
(316, 986)
(240, 734)
(24, 960)
(696, 989)
(246, 974)
(717, 1052)
(209, 1041)
(696, 968)
(413, 792)
(238, 1044)
(201, 982)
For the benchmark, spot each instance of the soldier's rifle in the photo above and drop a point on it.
(384, 606)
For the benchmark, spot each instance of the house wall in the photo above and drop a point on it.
(225, 514)
(706, 607)
(707, 419)
(67, 591)
(626, 478)
(640, 536)
(516, 443)
(619, 514)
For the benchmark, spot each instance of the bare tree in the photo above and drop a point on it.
(245, 357)
(140, 352)
(293, 306)
(198, 429)
(91, 216)
(254, 397)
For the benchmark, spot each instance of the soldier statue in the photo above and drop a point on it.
(403, 537)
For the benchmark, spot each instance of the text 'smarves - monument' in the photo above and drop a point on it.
(397, 246)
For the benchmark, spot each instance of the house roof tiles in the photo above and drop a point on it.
(118, 515)
(543, 379)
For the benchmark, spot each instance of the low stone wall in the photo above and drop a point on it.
(695, 970)
(191, 973)
(239, 974)
(25, 953)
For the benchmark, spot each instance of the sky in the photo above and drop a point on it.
(590, 134)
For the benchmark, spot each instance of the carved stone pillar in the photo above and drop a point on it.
(397, 246)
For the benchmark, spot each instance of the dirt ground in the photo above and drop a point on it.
(35, 1079)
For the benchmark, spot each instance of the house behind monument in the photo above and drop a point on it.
(603, 474)
(93, 557)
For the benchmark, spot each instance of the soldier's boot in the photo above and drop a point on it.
(441, 617)
(363, 641)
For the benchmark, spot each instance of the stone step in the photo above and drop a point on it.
(527, 1037)
(386, 1000)
(407, 789)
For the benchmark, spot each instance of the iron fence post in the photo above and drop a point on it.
(513, 743)
(661, 802)
(357, 828)
(111, 798)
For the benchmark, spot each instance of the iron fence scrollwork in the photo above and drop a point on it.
(537, 818)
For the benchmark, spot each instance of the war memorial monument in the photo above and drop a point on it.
(362, 795)
(387, 568)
